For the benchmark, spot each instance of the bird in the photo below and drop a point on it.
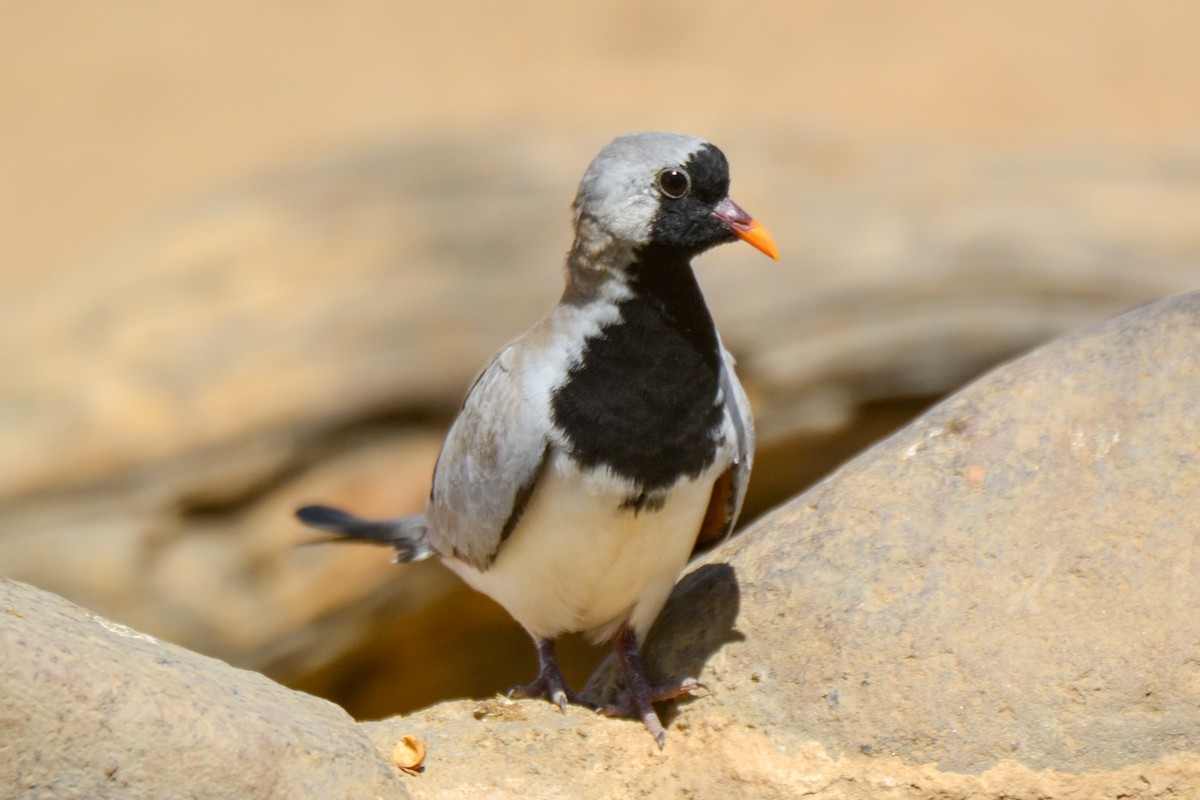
(593, 452)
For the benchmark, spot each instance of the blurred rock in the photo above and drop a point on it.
(1010, 577)
(376, 284)
(308, 337)
(94, 709)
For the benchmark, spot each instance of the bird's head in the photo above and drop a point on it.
(664, 190)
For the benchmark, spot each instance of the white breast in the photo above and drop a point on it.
(578, 562)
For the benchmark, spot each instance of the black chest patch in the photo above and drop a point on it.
(644, 398)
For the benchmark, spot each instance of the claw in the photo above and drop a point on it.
(639, 696)
(549, 682)
(626, 705)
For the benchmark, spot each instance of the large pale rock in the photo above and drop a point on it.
(93, 709)
(1011, 577)
(96, 710)
(509, 750)
(994, 603)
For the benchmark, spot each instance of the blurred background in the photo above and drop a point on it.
(254, 253)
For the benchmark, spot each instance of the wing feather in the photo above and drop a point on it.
(498, 448)
(729, 491)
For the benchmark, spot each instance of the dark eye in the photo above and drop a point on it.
(674, 183)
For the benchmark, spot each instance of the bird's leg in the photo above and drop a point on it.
(639, 696)
(549, 682)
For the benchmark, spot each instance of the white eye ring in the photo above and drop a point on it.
(674, 182)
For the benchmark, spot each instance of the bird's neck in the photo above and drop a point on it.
(664, 278)
(603, 269)
(598, 266)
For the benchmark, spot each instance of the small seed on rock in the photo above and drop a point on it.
(409, 754)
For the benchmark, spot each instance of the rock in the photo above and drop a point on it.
(993, 603)
(510, 750)
(94, 709)
(231, 577)
(1012, 577)
(307, 336)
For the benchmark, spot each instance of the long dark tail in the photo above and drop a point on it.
(409, 535)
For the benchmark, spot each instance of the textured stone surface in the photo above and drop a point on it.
(503, 749)
(94, 709)
(993, 603)
(1010, 577)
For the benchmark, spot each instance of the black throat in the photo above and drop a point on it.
(643, 398)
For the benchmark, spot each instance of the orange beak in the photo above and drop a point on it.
(745, 227)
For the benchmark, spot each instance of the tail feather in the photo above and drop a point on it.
(408, 535)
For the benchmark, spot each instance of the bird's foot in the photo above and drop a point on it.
(626, 704)
(552, 688)
(549, 682)
(639, 696)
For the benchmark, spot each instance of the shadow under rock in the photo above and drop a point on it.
(697, 621)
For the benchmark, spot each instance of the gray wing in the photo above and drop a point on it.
(491, 461)
(737, 405)
(729, 491)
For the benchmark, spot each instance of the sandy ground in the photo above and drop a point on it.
(111, 114)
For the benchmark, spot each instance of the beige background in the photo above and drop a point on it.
(113, 112)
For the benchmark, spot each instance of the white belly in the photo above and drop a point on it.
(578, 562)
